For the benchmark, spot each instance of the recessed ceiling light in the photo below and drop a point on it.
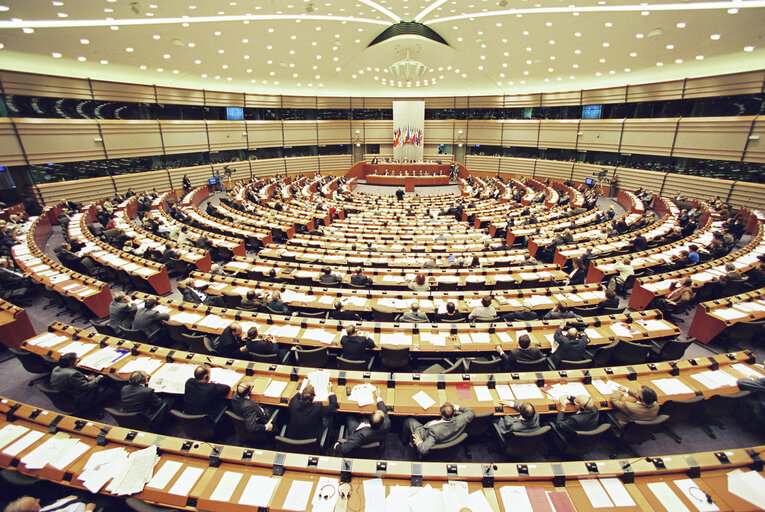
(577, 51)
(606, 45)
(128, 49)
(221, 50)
(732, 11)
(160, 70)
(204, 75)
(293, 37)
(245, 41)
(155, 36)
(56, 55)
(608, 24)
(681, 24)
(81, 59)
(577, 34)
(217, 32)
(627, 70)
(660, 64)
(612, 72)
(639, 36)
(166, 56)
(645, 13)
(748, 48)
(670, 47)
(699, 57)
(633, 54)
(197, 61)
(714, 37)
(114, 27)
(598, 74)
(575, 66)
(62, 15)
(549, 24)
(103, 61)
(28, 30)
(192, 45)
(601, 60)
(225, 66)
(678, 61)
(2, 46)
(551, 41)
(5, 7)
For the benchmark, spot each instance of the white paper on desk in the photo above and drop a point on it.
(47, 340)
(171, 378)
(477, 502)
(504, 392)
(102, 358)
(45, 451)
(617, 492)
(605, 387)
(672, 386)
(434, 338)
(464, 338)
(275, 389)
(715, 379)
(185, 482)
(395, 338)
(71, 451)
(695, 495)
(326, 486)
(186, 318)
(319, 335)
(730, 314)
(166, 473)
(22, 444)
(225, 376)
(298, 496)
(226, 486)
(289, 331)
(424, 400)
(595, 493)
(480, 337)
(747, 370)
(747, 485)
(10, 433)
(146, 364)
(363, 394)
(515, 498)
(483, 394)
(557, 391)
(94, 478)
(667, 497)
(504, 337)
(398, 498)
(79, 348)
(526, 391)
(621, 329)
(374, 495)
(258, 491)
(652, 325)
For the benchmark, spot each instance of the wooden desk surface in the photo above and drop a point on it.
(714, 316)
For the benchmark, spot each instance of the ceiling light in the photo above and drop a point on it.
(166, 56)
(639, 36)
(192, 45)
(606, 45)
(699, 57)
(62, 14)
(28, 30)
(601, 60)
(678, 61)
(748, 48)
(645, 13)
(577, 51)
(197, 61)
(155, 36)
(56, 55)
(221, 50)
(627, 70)
(128, 49)
(681, 24)
(217, 32)
(577, 34)
(714, 37)
(670, 47)
(551, 41)
(608, 24)
(114, 27)
(633, 54)
(81, 59)
(660, 64)
(732, 11)
(5, 7)
(104, 61)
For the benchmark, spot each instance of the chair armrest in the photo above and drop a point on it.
(556, 433)
(341, 433)
(551, 366)
(371, 363)
(323, 438)
(274, 415)
(615, 426)
(286, 357)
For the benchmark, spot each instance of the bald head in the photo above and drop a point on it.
(24, 504)
(572, 332)
(584, 402)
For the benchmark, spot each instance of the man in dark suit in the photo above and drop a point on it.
(328, 278)
(149, 321)
(359, 279)
(252, 301)
(86, 393)
(559, 311)
(400, 194)
(611, 301)
(230, 342)
(343, 314)
(169, 254)
(360, 433)
(639, 243)
(355, 346)
(204, 397)
(524, 353)
(454, 419)
(526, 421)
(259, 345)
(197, 295)
(306, 416)
(137, 396)
(524, 315)
(257, 418)
(121, 312)
(68, 258)
(585, 418)
(571, 345)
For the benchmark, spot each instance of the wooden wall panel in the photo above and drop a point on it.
(184, 136)
(439, 131)
(718, 138)
(224, 99)
(660, 91)
(556, 99)
(523, 100)
(648, 136)
(299, 133)
(480, 163)
(751, 195)
(60, 140)
(520, 133)
(517, 166)
(225, 135)
(632, 179)
(485, 132)
(439, 102)
(378, 132)
(76, 190)
(725, 85)
(338, 102)
(334, 132)
(461, 102)
(264, 134)
(123, 138)
(143, 181)
(335, 162)
(605, 95)
(198, 175)
(694, 186)
(118, 91)
(241, 169)
(267, 167)
(584, 171)
(10, 148)
(755, 149)
(600, 135)
(486, 101)
(262, 101)
(302, 164)
(384, 103)
(178, 96)
(299, 102)
(558, 133)
(553, 169)
(28, 84)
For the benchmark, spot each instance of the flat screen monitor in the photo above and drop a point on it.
(212, 181)
(588, 181)
(591, 111)
(234, 113)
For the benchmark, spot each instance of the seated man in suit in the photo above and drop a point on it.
(585, 418)
(624, 269)
(524, 315)
(276, 303)
(342, 314)
(451, 315)
(611, 301)
(252, 301)
(169, 254)
(454, 419)
(306, 416)
(149, 321)
(526, 421)
(360, 431)
(355, 346)
(414, 314)
(86, 392)
(639, 243)
(197, 295)
(731, 275)
(679, 293)
(752, 415)
(230, 343)
(121, 312)
(359, 279)
(257, 417)
(524, 353)
(260, 345)
(640, 404)
(137, 396)
(204, 397)
(559, 311)
(328, 278)
(571, 345)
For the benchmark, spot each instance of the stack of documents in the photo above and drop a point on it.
(319, 379)
(135, 473)
(171, 378)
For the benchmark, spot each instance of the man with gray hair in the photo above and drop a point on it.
(121, 312)
(571, 345)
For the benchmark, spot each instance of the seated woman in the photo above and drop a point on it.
(420, 284)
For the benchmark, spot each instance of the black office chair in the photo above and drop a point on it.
(581, 442)
(493, 365)
(585, 310)
(383, 316)
(602, 355)
(314, 445)
(671, 350)
(519, 445)
(232, 300)
(195, 426)
(636, 432)
(209, 347)
(311, 357)
(355, 365)
(538, 365)
(479, 427)
(34, 363)
(394, 358)
(195, 342)
(627, 353)
(102, 327)
(243, 435)
(62, 401)
(367, 451)
(681, 411)
(133, 335)
(447, 367)
(130, 420)
(176, 331)
(444, 451)
(611, 311)
(719, 409)
(141, 506)
(573, 365)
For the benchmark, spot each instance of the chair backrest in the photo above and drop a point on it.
(585, 310)
(680, 410)
(627, 352)
(575, 365)
(351, 364)
(732, 287)
(741, 333)
(480, 424)
(313, 357)
(603, 354)
(264, 358)
(33, 363)
(445, 451)
(208, 344)
(309, 446)
(482, 366)
(724, 405)
(383, 316)
(131, 420)
(523, 444)
(611, 311)
(196, 426)
(394, 358)
(103, 328)
(583, 441)
(531, 366)
(176, 330)
(637, 432)
(232, 300)
(240, 426)
(194, 342)
(133, 335)
(60, 399)
(674, 349)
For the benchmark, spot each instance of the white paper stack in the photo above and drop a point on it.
(101, 467)
(103, 358)
(136, 473)
(320, 381)
(363, 394)
(171, 378)
(145, 364)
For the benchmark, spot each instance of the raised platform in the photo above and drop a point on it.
(408, 182)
